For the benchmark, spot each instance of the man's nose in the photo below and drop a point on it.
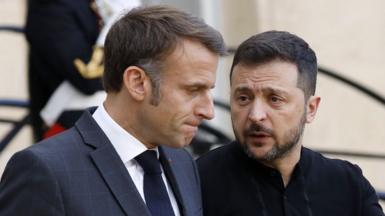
(205, 107)
(258, 112)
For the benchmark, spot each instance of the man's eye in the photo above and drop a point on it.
(275, 99)
(243, 99)
(194, 89)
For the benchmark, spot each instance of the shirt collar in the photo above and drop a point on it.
(125, 144)
(261, 169)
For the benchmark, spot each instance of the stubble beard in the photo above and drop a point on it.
(278, 150)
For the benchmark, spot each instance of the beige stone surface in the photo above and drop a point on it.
(13, 75)
(348, 37)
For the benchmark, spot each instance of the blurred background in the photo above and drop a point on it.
(347, 36)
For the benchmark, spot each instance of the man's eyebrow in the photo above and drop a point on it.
(242, 89)
(273, 90)
(266, 89)
(200, 85)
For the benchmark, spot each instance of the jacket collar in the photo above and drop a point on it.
(110, 166)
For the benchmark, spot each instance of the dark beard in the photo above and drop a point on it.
(279, 150)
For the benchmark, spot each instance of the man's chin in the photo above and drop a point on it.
(257, 151)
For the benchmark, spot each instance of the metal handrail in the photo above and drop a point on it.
(351, 154)
(337, 76)
(361, 88)
(17, 124)
(226, 107)
(10, 28)
(381, 195)
(14, 103)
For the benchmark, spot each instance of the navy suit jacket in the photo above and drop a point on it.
(78, 172)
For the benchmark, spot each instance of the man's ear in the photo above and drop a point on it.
(311, 108)
(135, 82)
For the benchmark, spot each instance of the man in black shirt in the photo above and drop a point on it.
(266, 171)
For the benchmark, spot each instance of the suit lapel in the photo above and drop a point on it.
(111, 167)
(175, 178)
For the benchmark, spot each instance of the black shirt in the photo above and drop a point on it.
(234, 184)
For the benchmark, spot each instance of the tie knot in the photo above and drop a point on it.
(149, 162)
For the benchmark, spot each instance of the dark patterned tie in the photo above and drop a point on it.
(155, 192)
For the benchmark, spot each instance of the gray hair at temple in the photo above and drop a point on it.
(146, 36)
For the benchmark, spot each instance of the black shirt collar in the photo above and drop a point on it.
(300, 170)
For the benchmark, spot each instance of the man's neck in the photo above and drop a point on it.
(286, 164)
(117, 110)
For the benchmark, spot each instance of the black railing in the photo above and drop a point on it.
(17, 125)
(381, 195)
(14, 29)
(221, 137)
(332, 152)
(345, 80)
(361, 88)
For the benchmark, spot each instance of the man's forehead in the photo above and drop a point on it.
(268, 88)
(283, 72)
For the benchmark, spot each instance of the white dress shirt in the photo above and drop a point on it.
(128, 147)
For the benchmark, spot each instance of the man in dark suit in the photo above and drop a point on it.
(126, 157)
(267, 171)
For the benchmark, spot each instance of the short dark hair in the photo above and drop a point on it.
(145, 36)
(271, 45)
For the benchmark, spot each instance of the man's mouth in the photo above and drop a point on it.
(259, 134)
(192, 128)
